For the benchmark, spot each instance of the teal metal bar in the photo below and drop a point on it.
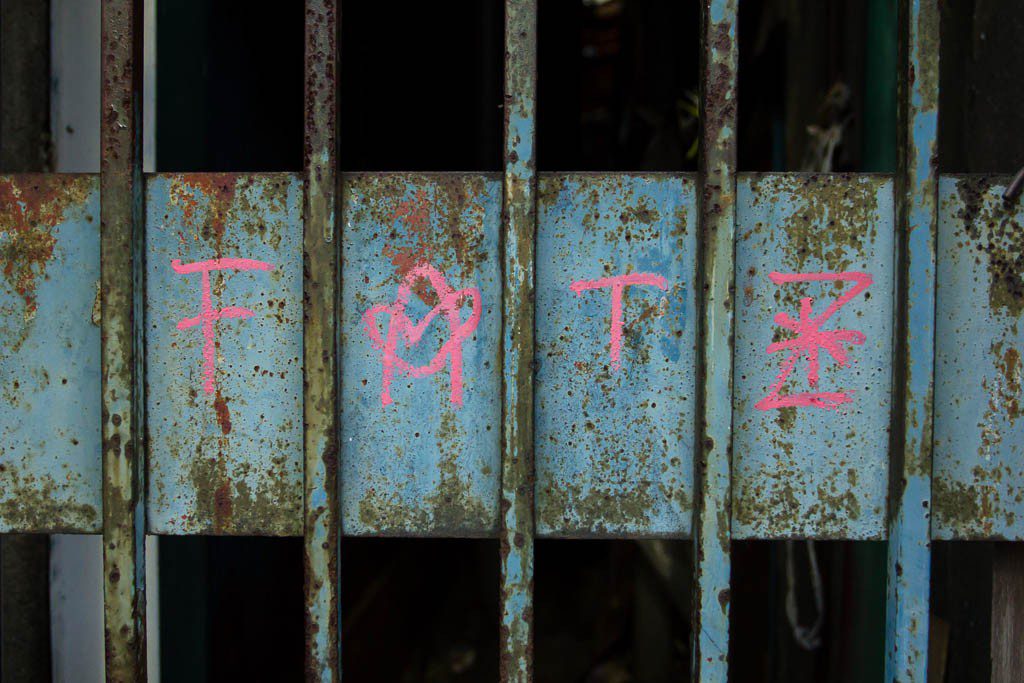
(322, 506)
(911, 465)
(519, 232)
(121, 230)
(713, 449)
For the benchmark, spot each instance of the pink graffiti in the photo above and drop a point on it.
(809, 338)
(618, 283)
(400, 326)
(208, 314)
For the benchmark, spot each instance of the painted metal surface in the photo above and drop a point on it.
(615, 392)
(978, 470)
(50, 475)
(712, 465)
(224, 354)
(519, 228)
(812, 460)
(121, 342)
(320, 398)
(906, 642)
(420, 363)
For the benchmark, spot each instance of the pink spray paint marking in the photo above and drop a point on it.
(400, 326)
(810, 337)
(618, 283)
(208, 314)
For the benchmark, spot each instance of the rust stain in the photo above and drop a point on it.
(220, 406)
(222, 504)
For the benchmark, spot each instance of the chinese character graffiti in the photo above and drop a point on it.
(618, 283)
(809, 339)
(401, 327)
(209, 315)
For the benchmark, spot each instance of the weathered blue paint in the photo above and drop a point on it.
(916, 198)
(811, 472)
(614, 448)
(421, 465)
(229, 461)
(50, 477)
(978, 472)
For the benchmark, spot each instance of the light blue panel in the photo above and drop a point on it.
(225, 454)
(50, 455)
(614, 446)
(421, 464)
(812, 471)
(978, 467)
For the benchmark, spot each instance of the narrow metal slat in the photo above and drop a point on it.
(717, 201)
(911, 464)
(519, 232)
(121, 230)
(321, 505)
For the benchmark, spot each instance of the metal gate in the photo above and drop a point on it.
(618, 355)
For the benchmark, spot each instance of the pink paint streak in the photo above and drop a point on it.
(810, 337)
(208, 314)
(618, 283)
(400, 326)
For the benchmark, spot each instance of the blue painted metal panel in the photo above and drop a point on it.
(224, 396)
(978, 470)
(50, 469)
(614, 444)
(812, 461)
(421, 412)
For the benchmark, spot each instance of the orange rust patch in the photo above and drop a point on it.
(30, 208)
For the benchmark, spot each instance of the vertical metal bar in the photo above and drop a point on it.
(711, 527)
(121, 240)
(321, 503)
(911, 465)
(519, 219)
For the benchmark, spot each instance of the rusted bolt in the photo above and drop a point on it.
(1013, 189)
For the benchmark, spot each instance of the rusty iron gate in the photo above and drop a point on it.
(709, 356)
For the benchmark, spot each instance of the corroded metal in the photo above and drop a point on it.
(50, 473)
(713, 450)
(813, 471)
(418, 457)
(911, 457)
(978, 472)
(519, 228)
(121, 236)
(224, 448)
(321, 507)
(614, 436)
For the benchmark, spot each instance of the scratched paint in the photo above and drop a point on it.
(615, 381)
(224, 350)
(978, 468)
(811, 429)
(421, 323)
(50, 475)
